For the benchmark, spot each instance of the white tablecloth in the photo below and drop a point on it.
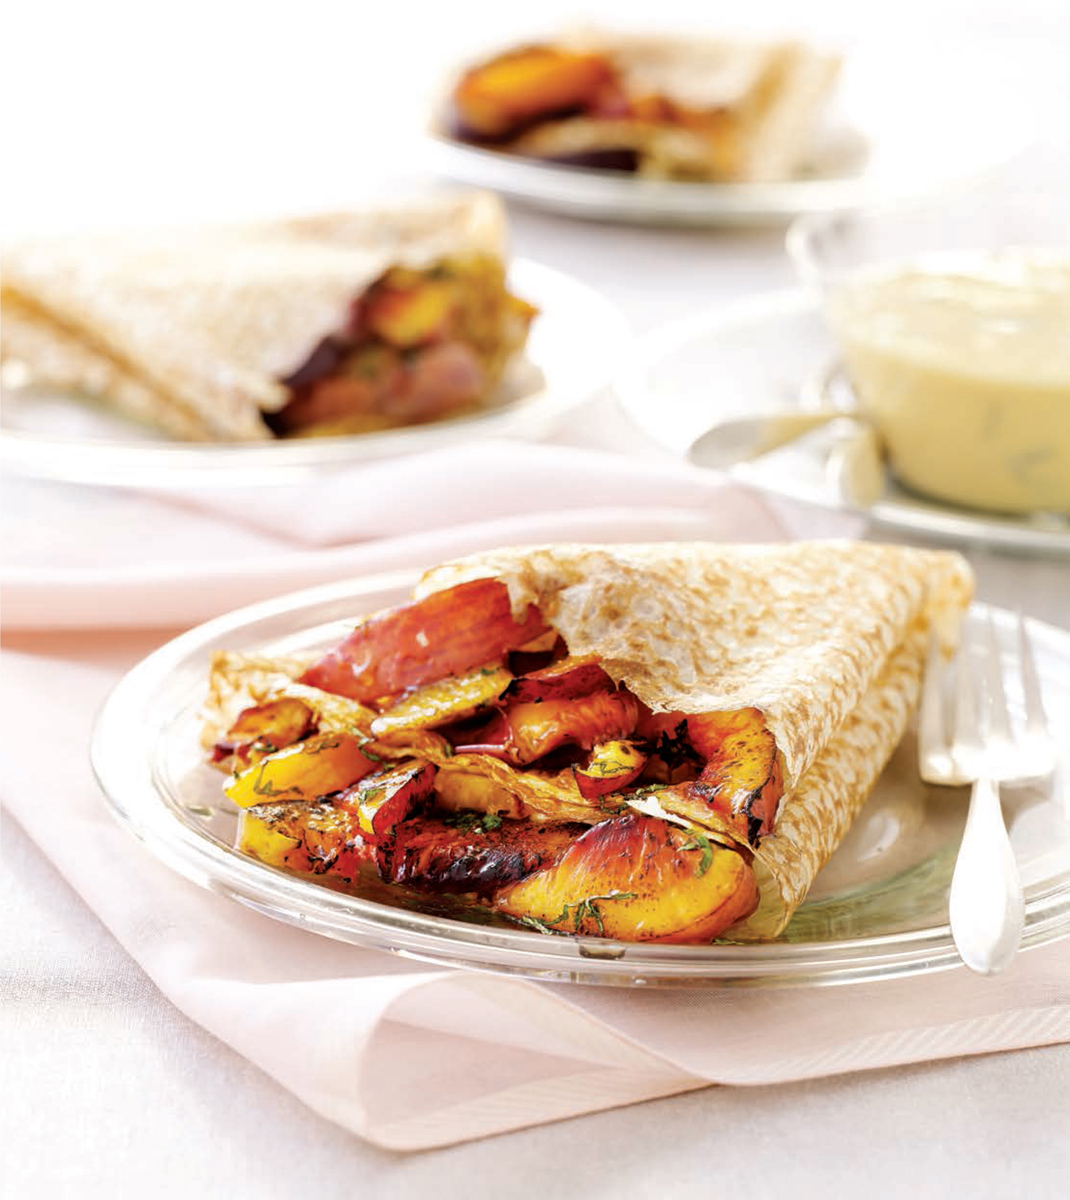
(105, 1088)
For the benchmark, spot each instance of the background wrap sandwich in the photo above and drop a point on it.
(337, 323)
(722, 109)
(751, 697)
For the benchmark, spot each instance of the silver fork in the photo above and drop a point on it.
(986, 906)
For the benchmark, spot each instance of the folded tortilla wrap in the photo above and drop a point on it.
(195, 330)
(826, 640)
(744, 110)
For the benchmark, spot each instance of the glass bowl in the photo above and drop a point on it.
(953, 322)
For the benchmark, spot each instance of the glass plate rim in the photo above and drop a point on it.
(131, 796)
(679, 196)
(783, 305)
(165, 464)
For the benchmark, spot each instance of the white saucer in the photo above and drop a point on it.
(762, 354)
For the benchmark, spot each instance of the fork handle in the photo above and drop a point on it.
(986, 905)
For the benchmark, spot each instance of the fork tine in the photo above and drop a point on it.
(932, 735)
(966, 744)
(1036, 720)
(999, 722)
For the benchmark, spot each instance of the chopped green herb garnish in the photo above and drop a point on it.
(464, 821)
(602, 770)
(535, 923)
(588, 908)
(324, 746)
(473, 822)
(699, 841)
(264, 787)
(648, 790)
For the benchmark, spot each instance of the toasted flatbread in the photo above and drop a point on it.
(770, 92)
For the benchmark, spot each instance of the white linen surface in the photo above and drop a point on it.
(409, 1055)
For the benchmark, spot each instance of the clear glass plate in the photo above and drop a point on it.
(877, 910)
(572, 346)
(774, 352)
(882, 143)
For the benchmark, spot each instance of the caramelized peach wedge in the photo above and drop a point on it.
(309, 837)
(504, 96)
(637, 878)
(417, 346)
(306, 770)
(508, 772)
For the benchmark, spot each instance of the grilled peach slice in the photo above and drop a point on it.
(317, 839)
(637, 878)
(461, 784)
(565, 679)
(386, 798)
(452, 699)
(446, 633)
(306, 770)
(741, 779)
(329, 401)
(408, 312)
(436, 381)
(504, 95)
(471, 852)
(525, 732)
(612, 766)
(262, 729)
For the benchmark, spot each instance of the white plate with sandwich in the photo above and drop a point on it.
(711, 131)
(249, 353)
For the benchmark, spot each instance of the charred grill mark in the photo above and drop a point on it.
(675, 749)
(429, 854)
(321, 860)
(747, 812)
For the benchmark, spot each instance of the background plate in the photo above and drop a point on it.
(878, 910)
(764, 353)
(572, 346)
(883, 142)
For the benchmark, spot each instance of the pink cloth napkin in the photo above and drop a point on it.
(404, 1054)
(77, 557)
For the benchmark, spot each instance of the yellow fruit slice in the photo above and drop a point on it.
(638, 878)
(305, 771)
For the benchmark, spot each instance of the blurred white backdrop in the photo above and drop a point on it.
(120, 111)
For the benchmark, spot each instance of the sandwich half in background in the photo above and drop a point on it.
(710, 109)
(340, 323)
(652, 742)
